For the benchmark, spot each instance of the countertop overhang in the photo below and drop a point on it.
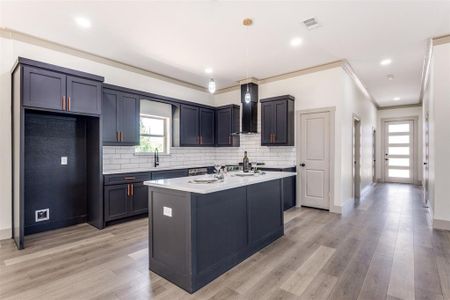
(231, 181)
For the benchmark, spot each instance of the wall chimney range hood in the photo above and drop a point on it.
(249, 122)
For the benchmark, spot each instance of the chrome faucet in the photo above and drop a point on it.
(156, 159)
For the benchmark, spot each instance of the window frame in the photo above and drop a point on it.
(165, 134)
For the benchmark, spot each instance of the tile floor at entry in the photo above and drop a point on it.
(383, 249)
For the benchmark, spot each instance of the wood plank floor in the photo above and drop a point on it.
(383, 249)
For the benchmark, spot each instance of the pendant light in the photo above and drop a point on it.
(247, 97)
(212, 86)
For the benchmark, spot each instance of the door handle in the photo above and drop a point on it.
(302, 165)
(63, 102)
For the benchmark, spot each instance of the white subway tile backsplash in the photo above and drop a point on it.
(124, 158)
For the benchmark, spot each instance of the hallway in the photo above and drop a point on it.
(384, 248)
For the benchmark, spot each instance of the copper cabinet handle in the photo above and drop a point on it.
(121, 136)
(128, 190)
(63, 102)
(132, 189)
(129, 178)
(68, 103)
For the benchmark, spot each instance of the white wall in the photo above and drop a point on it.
(11, 49)
(439, 110)
(399, 113)
(356, 103)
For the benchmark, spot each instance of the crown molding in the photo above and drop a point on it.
(313, 69)
(400, 106)
(439, 40)
(31, 39)
(359, 83)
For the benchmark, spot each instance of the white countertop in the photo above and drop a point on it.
(231, 181)
(112, 172)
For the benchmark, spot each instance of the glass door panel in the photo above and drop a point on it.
(398, 137)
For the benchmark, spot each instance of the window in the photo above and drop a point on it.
(153, 132)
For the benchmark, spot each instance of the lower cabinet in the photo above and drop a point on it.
(125, 200)
(288, 185)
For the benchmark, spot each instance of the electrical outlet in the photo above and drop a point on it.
(167, 211)
(42, 215)
(64, 160)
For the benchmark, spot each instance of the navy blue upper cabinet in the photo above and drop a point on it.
(196, 126)
(120, 118)
(207, 123)
(84, 96)
(44, 89)
(189, 125)
(227, 123)
(53, 90)
(277, 121)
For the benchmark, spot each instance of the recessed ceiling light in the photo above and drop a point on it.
(386, 62)
(83, 22)
(296, 41)
(390, 77)
(208, 70)
(396, 98)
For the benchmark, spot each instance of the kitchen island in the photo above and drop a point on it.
(199, 231)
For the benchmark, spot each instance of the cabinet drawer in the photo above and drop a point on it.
(126, 178)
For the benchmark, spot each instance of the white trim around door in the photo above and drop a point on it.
(399, 143)
(324, 164)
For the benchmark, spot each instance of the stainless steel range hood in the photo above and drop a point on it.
(249, 121)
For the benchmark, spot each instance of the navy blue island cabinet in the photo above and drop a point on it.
(196, 237)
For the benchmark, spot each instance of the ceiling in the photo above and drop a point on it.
(180, 39)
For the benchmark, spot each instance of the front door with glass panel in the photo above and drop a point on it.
(399, 151)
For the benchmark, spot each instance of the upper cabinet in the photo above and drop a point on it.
(277, 121)
(196, 126)
(53, 90)
(121, 118)
(227, 124)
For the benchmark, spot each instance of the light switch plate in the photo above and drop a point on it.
(167, 211)
(64, 160)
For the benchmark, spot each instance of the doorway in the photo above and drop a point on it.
(356, 157)
(313, 152)
(399, 150)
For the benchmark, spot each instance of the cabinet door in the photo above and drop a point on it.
(280, 122)
(289, 192)
(116, 202)
(206, 127)
(224, 127)
(128, 118)
(140, 199)
(109, 117)
(189, 125)
(44, 89)
(83, 96)
(267, 112)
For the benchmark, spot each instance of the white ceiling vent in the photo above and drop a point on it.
(311, 23)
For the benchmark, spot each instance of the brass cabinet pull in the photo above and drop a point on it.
(132, 189)
(121, 136)
(68, 103)
(129, 178)
(128, 190)
(63, 102)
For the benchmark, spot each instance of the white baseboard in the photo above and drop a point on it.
(5, 234)
(441, 224)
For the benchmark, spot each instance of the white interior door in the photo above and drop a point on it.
(399, 151)
(315, 160)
